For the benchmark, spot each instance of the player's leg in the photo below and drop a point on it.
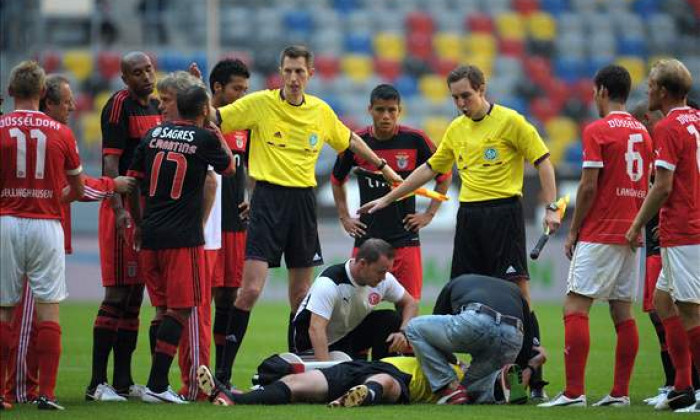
(125, 344)
(380, 388)
(408, 269)
(625, 351)
(6, 337)
(298, 286)
(372, 334)
(227, 279)
(21, 382)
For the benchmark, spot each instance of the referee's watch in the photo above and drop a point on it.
(551, 207)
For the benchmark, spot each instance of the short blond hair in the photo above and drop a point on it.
(27, 80)
(672, 75)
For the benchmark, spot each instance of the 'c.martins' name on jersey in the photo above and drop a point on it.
(167, 138)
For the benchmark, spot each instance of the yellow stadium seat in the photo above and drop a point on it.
(561, 131)
(92, 132)
(101, 100)
(542, 26)
(480, 44)
(433, 88)
(636, 66)
(79, 63)
(448, 46)
(389, 45)
(357, 67)
(482, 61)
(435, 128)
(511, 26)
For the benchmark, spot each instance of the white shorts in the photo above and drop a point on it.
(680, 273)
(33, 248)
(603, 271)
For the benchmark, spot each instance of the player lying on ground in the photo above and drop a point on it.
(393, 380)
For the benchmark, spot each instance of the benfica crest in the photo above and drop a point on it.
(402, 160)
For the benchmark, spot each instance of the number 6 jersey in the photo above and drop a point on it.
(173, 160)
(35, 153)
(620, 147)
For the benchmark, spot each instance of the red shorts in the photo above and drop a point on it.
(653, 268)
(408, 269)
(229, 266)
(119, 261)
(175, 278)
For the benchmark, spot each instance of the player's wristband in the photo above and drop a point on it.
(382, 164)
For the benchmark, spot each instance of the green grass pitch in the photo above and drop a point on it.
(267, 335)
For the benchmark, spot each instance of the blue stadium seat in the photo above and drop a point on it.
(358, 43)
(569, 69)
(513, 102)
(555, 7)
(172, 60)
(406, 85)
(635, 46)
(298, 20)
(574, 153)
(646, 8)
(345, 6)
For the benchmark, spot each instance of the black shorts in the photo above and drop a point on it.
(343, 376)
(283, 221)
(490, 240)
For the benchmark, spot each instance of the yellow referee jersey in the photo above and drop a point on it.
(286, 139)
(489, 153)
(419, 388)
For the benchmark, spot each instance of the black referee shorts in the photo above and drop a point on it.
(490, 239)
(343, 376)
(283, 221)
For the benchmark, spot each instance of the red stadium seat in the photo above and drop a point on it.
(108, 64)
(512, 48)
(420, 45)
(443, 66)
(526, 7)
(419, 22)
(50, 61)
(538, 69)
(387, 69)
(543, 109)
(557, 91)
(327, 66)
(479, 22)
(583, 89)
(84, 102)
(273, 81)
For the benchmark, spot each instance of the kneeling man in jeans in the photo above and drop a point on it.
(338, 312)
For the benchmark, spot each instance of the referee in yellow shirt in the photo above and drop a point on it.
(489, 144)
(288, 130)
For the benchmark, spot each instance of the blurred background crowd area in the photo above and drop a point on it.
(538, 55)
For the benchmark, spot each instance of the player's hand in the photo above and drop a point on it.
(194, 70)
(570, 244)
(398, 343)
(353, 226)
(137, 238)
(632, 237)
(416, 221)
(123, 222)
(552, 221)
(124, 184)
(373, 206)
(244, 210)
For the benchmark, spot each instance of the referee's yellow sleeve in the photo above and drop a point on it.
(240, 115)
(338, 134)
(528, 140)
(444, 157)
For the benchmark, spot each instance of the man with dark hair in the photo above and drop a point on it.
(39, 154)
(228, 82)
(126, 117)
(404, 149)
(676, 193)
(615, 178)
(338, 312)
(489, 144)
(288, 129)
(173, 160)
(490, 320)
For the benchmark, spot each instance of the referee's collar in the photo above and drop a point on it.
(487, 113)
(303, 98)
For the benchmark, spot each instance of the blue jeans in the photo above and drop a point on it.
(490, 344)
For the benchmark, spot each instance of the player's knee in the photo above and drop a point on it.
(247, 297)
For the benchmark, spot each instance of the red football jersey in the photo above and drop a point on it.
(36, 151)
(621, 147)
(677, 141)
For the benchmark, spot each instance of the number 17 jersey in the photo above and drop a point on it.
(621, 148)
(173, 159)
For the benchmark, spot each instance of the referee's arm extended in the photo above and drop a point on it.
(360, 148)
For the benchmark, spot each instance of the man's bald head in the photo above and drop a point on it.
(138, 73)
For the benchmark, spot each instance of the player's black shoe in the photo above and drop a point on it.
(45, 403)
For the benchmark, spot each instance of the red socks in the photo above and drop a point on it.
(694, 340)
(49, 354)
(576, 346)
(6, 339)
(625, 353)
(677, 342)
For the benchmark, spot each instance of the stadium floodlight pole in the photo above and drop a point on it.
(213, 36)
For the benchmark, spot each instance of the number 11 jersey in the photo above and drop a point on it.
(173, 159)
(621, 148)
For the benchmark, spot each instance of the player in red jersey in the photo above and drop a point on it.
(35, 150)
(126, 117)
(173, 159)
(404, 149)
(57, 103)
(614, 182)
(676, 192)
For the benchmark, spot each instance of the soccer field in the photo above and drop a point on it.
(267, 335)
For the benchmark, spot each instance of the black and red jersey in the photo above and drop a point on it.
(233, 187)
(404, 152)
(124, 122)
(173, 159)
